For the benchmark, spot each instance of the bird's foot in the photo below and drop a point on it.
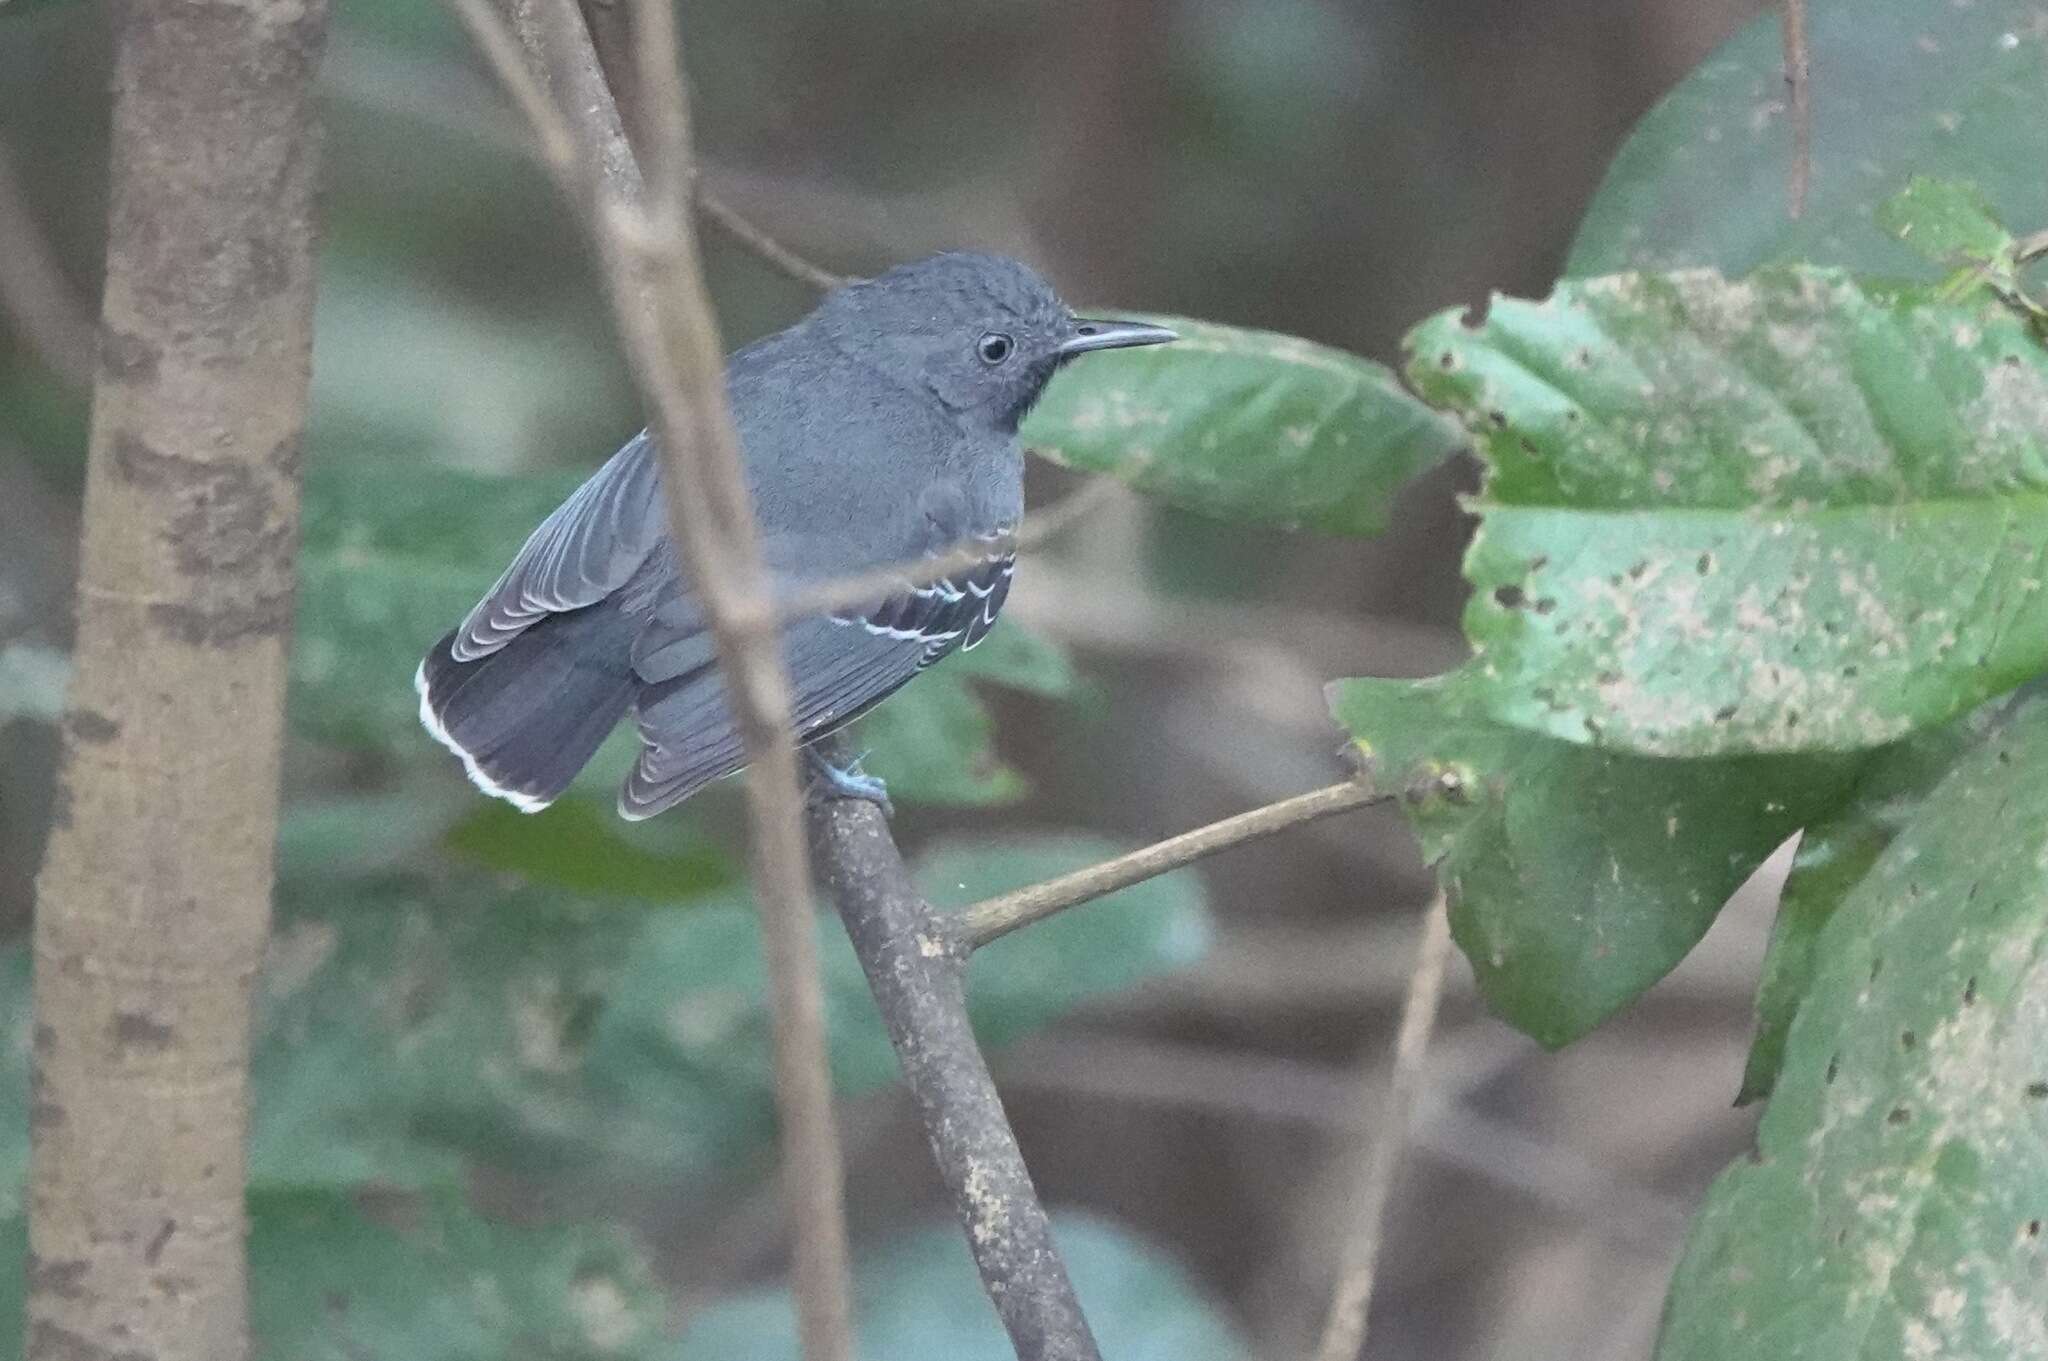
(848, 781)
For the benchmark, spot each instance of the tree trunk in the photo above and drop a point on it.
(154, 900)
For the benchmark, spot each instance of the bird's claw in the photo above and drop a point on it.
(848, 781)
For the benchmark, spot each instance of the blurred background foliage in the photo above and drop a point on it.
(511, 1091)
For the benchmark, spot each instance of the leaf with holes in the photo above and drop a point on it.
(1245, 425)
(1899, 86)
(1834, 855)
(1946, 222)
(1577, 877)
(1774, 515)
(1895, 1204)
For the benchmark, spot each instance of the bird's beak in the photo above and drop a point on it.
(1112, 335)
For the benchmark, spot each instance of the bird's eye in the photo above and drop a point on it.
(994, 348)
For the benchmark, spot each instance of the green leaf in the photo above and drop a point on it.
(1833, 858)
(1895, 1205)
(1015, 658)
(580, 844)
(1245, 425)
(1577, 877)
(339, 1278)
(917, 1299)
(1946, 222)
(933, 742)
(1772, 515)
(1831, 861)
(411, 1021)
(1899, 87)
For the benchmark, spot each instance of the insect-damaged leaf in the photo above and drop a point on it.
(1896, 1204)
(1577, 878)
(1767, 516)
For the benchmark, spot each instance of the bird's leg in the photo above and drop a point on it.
(839, 777)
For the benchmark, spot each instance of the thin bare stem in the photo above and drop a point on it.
(501, 49)
(992, 918)
(48, 316)
(1344, 1329)
(866, 588)
(1799, 82)
(665, 108)
(559, 49)
(664, 312)
(766, 247)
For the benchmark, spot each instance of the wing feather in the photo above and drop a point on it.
(588, 548)
(840, 666)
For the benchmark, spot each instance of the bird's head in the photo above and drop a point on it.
(982, 333)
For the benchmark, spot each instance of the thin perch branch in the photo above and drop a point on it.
(916, 973)
(1799, 81)
(992, 918)
(1344, 1330)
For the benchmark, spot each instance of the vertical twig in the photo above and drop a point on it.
(1798, 80)
(1344, 1328)
(154, 902)
(915, 970)
(647, 240)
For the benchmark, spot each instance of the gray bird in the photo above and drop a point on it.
(880, 428)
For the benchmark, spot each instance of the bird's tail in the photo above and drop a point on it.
(526, 718)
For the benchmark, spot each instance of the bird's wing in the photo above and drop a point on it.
(954, 611)
(840, 666)
(687, 734)
(588, 548)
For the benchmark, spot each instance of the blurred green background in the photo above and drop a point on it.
(513, 1097)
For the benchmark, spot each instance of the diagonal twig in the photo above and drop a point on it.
(1344, 1328)
(992, 918)
(739, 228)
